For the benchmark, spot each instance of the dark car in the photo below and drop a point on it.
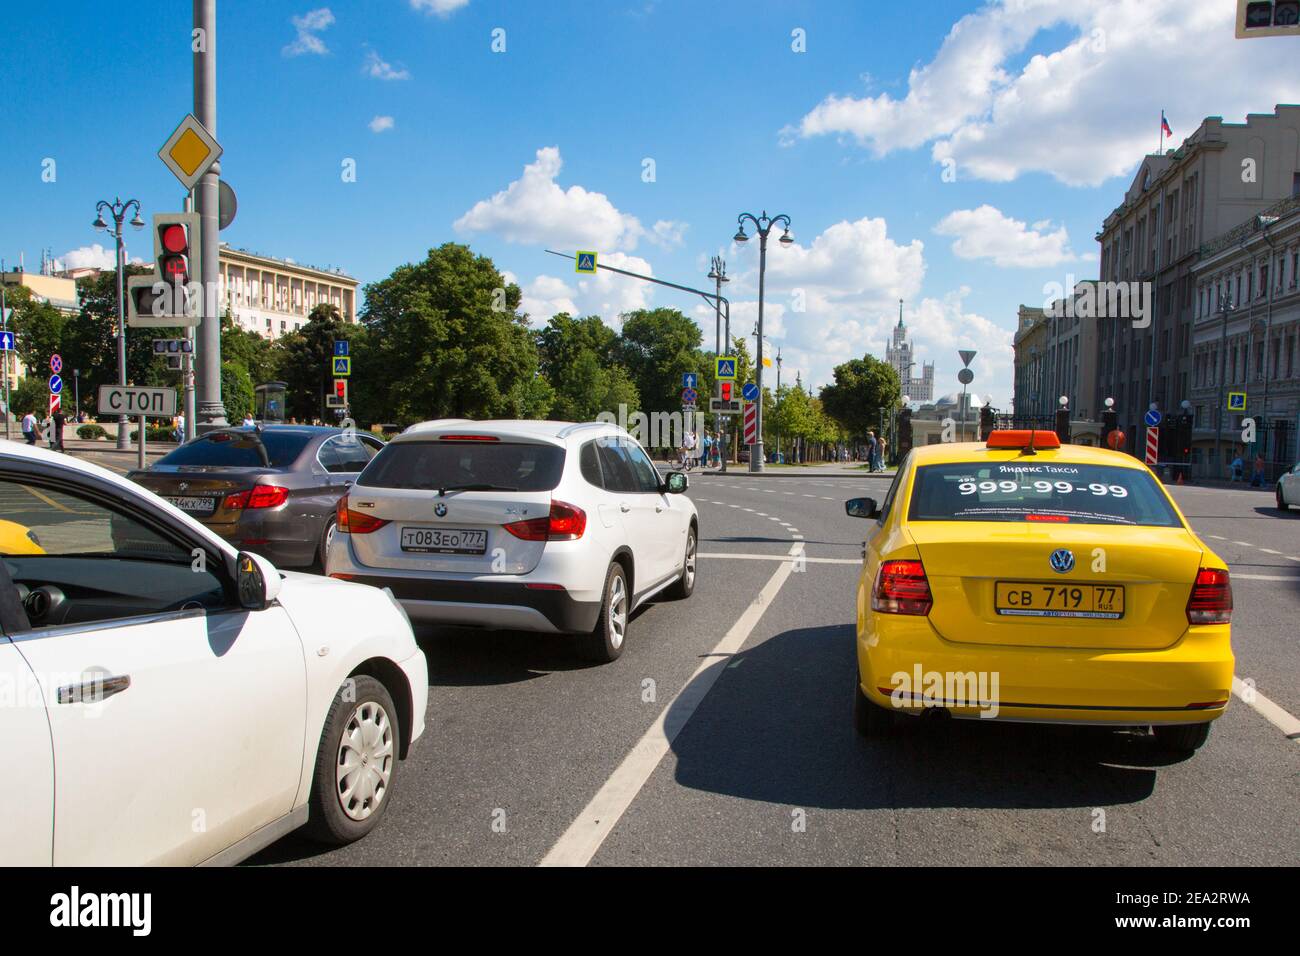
(270, 489)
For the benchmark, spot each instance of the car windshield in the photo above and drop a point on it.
(241, 449)
(1025, 491)
(435, 465)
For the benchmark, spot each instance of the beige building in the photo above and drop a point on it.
(1221, 175)
(1246, 340)
(58, 291)
(273, 297)
(1029, 348)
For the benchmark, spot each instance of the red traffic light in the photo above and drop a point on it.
(340, 387)
(174, 238)
(726, 391)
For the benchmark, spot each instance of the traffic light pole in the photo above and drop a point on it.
(211, 413)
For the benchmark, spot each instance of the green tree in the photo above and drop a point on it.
(658, 346)
(861, 389)
(303, 360)
(579, 357)
(90, 338)
(248, 349)
(39, 327)
(236, 391)
(445, 339)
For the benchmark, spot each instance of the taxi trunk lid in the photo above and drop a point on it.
(1154, 566)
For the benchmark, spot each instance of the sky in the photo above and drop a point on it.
(960, 156)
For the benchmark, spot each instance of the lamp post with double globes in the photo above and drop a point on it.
(118, 210)
(762, 225)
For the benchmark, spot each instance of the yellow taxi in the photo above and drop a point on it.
(1021, 580)
(18, 539)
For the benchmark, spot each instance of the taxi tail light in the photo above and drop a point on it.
(566, 522)
(902, 588)
(354, 522)
(1211, 598)
(261, 496)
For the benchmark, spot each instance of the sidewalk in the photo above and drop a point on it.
(827, 470)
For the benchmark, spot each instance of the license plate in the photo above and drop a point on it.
(1035, 599)
(203, 506)
(444, 540)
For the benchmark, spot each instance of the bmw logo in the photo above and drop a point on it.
(1062, 561)
(441, 511)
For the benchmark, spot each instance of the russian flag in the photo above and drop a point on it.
(1164, 124)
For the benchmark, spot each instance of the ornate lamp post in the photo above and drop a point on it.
(117, 210)
(762, 225)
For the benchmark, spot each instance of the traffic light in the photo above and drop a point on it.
(724, 391)
(174, 294)
(1268, 18)
(339, 397)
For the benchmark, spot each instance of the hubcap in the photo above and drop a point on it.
(329, 537)
(690, 560)
(617, 610)
(365, 760)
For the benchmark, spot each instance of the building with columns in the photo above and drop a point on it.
(273, 297)
(899, 354)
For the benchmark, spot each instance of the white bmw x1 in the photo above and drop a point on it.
(519, 525)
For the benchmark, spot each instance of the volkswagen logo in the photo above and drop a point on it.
(1062, 561)
(441, 511)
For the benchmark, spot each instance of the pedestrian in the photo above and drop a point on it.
(56, 434)
(29, 427)
(178, 429)
(1257, 478)
(1236, 468)
(882, 453)
(871, 451)
(249, 421)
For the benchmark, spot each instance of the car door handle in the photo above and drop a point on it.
(659, 508)
(93, 691)
(624, 507)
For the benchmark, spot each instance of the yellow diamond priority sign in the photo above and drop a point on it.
(190, 151)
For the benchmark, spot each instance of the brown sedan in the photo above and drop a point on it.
(270, 489)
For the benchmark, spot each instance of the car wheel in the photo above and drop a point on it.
(685, 585)
(1281, 501)
(1182, 738)
(356, 763)
(605, 642)
(326, 538)
(869, 719)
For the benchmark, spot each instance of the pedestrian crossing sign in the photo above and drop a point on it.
(726, 368)
(342, 365)
(586, 263)
(1236, 401)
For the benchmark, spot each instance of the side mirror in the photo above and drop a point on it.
(258, 581)
(862, 508)
(675, 483)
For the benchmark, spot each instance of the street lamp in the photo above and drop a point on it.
(118, 210)
(762, 225)
(719, 275)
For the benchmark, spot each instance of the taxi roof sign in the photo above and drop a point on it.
(189, 151)
(1023, 438)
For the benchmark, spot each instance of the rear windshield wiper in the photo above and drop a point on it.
(446, 488)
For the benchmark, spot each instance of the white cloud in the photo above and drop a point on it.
(668, 233)
(534, 209)
(1082, 113)
(985, 233)
(381, 124)
(442, 8)
(309, 26)
(379, 68)
(88, 257)
(606, 294)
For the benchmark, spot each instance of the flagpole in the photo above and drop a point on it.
(1160, 150)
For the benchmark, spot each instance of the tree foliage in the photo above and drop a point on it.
(862, 388)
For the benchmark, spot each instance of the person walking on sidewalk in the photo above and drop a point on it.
(29, 427)
(56, 430)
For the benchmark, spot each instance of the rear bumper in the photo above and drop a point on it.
(503, 605)
(906, 665)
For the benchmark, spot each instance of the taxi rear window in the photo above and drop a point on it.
(1060, 493)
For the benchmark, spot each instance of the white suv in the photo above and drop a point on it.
(528, 525)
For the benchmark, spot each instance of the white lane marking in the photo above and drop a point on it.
(1270, 711)
(1217, 537)
(824, 498)
(1243, 544)
(586, 833)
(1265, 577)
(776, 557)
(1270, 551)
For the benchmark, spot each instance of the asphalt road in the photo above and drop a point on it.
(531, 755)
